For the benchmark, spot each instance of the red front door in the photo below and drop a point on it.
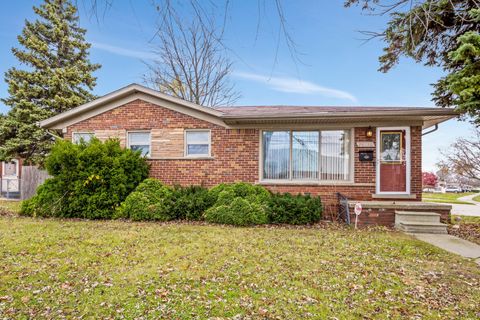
(392, 155)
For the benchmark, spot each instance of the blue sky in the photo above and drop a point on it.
(336, 68)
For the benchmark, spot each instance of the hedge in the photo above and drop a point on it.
(89, 180)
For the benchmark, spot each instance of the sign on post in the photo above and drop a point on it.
(358, 211)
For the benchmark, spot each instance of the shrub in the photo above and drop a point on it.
(239, 204)
(89, 180)
(191, 202)
(151, 200)
(298, 209)
(240, 212)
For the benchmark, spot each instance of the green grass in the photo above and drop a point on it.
(446, 197)
(12, 206)
(465, 219)
(477, 198)
(113, 269)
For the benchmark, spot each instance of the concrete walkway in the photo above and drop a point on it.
(452, 244)
(470, 198)
(472, 209)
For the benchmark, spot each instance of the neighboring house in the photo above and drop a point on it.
(10, 174)
(366, 153)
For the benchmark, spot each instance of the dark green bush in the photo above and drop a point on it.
(89, 180)
(191, 202)
(240, 212)
(298, 209)
(151, 200)
(239, 204)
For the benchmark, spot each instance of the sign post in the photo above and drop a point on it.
(358, 210)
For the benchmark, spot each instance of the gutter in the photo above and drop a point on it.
(358, 114)
(433, 130)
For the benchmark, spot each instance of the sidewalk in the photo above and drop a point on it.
(452, 244)
(470, 198)
(467, 209)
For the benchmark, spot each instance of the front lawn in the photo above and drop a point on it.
(110, 269)
(446, 197)
(477, 198)
(10, 206)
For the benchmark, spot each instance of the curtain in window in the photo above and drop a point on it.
(276, 154)
(85, 136)
(305, 155)
(312, 155)
(140, 141)
(334, 159)
(198, 142)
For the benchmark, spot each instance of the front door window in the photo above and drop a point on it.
(393, 161)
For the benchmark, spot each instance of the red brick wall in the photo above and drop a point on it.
(386, 217)
(235, 154)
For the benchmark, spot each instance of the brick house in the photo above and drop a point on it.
(368, 154)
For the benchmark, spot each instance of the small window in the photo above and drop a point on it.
(197, 143)
(82, 136)
(139, 141)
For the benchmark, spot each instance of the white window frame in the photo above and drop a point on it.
(351, 166)
(185, 149)
(17, 171)
(149, 140)
(407, 159)
(82, 132)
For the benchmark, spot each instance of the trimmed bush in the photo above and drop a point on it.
(238, 204)
(90, 180)
(191, 202)
(240, 212)
(298, 209)
(151, 200)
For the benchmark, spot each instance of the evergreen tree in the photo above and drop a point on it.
(57, 77)
(461, 87)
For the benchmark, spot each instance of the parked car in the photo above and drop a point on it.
(453, 189)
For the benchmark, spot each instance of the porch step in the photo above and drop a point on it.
(411, 216)
(422, 227)
(419, 222)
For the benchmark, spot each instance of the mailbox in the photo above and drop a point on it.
(366, 155)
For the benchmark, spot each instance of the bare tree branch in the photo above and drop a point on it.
(191, 62)
(462, 158)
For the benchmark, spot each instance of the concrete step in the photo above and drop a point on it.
(411, 216)
(422, 227)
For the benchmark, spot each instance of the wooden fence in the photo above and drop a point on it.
(31, 178)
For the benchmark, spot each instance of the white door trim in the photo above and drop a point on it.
(407, 159)
(17, 169)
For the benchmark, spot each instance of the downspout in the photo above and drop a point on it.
(54, 135)
(49, 133)
(433, 130)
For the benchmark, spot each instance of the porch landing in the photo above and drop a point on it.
(383, 212)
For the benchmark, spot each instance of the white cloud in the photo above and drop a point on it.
(145, 55)
(292, 85)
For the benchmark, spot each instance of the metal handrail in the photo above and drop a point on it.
(343, 209)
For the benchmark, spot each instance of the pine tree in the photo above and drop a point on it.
(461, 87)
(57, 77)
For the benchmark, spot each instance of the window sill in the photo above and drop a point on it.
(313, 183)
(394, 196)
(181, 158)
